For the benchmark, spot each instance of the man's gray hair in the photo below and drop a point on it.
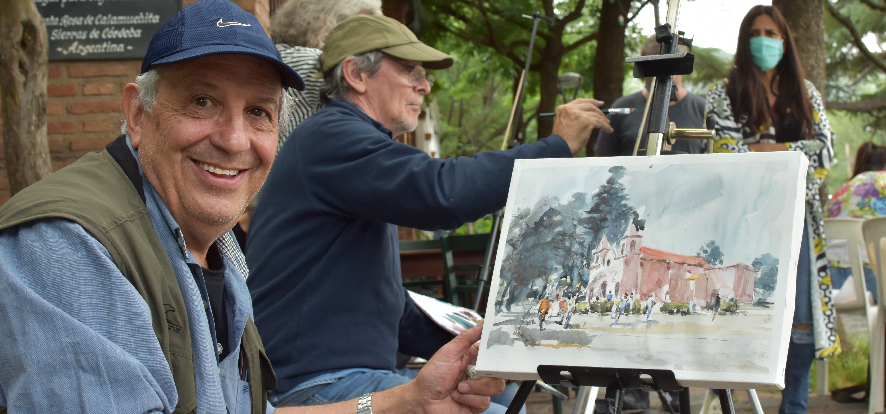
(149, 82)
(336, 88)
(307, 22)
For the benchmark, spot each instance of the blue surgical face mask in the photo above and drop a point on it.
(766, 51)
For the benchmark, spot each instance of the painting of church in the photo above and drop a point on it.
(629, 267)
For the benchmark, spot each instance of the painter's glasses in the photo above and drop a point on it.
(417, 74)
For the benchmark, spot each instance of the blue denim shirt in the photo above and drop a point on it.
(73, 341)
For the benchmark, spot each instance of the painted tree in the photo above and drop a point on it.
(610, 214)
(711, 253)
(766, 280)
(23, 61)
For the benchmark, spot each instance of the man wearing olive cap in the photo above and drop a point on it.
(121, 287)
(323, 245)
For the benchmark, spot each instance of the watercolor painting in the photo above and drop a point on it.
(454, 319)
(676, 262)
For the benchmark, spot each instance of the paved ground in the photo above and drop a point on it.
(540, 402)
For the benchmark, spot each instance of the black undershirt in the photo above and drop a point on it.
(214, 277)
(787, 129)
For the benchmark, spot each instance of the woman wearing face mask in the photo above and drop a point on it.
(765, 104)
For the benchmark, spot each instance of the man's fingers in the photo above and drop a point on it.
(605, 126)
(477, 403)
(482, 386)
(467, 338)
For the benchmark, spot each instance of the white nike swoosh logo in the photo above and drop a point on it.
(220, 23)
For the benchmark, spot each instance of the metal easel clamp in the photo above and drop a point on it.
(675, 133)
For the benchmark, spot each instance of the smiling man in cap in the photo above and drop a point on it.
(121, 286)
(323, 244)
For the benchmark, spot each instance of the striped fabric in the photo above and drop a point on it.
(305, 61)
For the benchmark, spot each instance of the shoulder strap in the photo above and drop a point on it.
(120, 152)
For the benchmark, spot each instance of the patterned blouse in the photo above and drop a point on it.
(305, 61)
(733, 136)
(864, 196)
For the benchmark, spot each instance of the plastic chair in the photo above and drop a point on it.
(874, 231)
(853, 295)
(462, 258)
(427, 278)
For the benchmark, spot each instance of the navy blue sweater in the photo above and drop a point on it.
(322, 246)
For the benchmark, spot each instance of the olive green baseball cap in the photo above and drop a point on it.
(361, 34)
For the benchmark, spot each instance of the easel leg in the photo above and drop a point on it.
(755, 402)
(684, 401)
(726, 401)
(520, 397)
(615, 394)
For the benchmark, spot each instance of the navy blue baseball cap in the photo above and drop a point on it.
(215, 27)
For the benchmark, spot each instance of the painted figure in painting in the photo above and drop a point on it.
(543, 309)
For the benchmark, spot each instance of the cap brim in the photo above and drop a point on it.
(288, 76)
(429, 57)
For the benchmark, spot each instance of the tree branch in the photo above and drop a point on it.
(580, 42)
(856, 37)
(866, 105)
(636, 13)
(875, 6)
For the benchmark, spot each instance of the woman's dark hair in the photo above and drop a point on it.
(745, 86)
(869, 157)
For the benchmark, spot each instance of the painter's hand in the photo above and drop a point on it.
(576, 120)
(442, 385)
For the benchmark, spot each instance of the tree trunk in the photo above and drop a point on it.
(23, 61)
(806, 19)
(549, 71)
(610, 57)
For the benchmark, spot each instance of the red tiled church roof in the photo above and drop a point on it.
(654, 254)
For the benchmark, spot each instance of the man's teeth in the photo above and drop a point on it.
(216, 170)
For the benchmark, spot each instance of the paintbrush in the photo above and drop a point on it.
(616, 111)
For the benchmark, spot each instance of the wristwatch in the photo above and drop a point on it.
(364, 404)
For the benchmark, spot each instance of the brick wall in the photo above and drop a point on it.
(83, 103)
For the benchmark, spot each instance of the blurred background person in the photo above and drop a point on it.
(687, 112)
(765, 104)
(863, 196)
(299, 28)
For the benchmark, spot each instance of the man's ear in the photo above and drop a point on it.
(354, 78)
(132, 112)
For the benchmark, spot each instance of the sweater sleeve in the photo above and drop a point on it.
(362, 172)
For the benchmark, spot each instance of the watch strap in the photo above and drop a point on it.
(364, 404)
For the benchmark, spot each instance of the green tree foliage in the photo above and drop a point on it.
(856, 79)
(495, 36)
(711, 65)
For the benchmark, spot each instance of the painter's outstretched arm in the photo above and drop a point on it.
(440, 387)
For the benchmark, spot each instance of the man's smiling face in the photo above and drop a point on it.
(210, 139)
